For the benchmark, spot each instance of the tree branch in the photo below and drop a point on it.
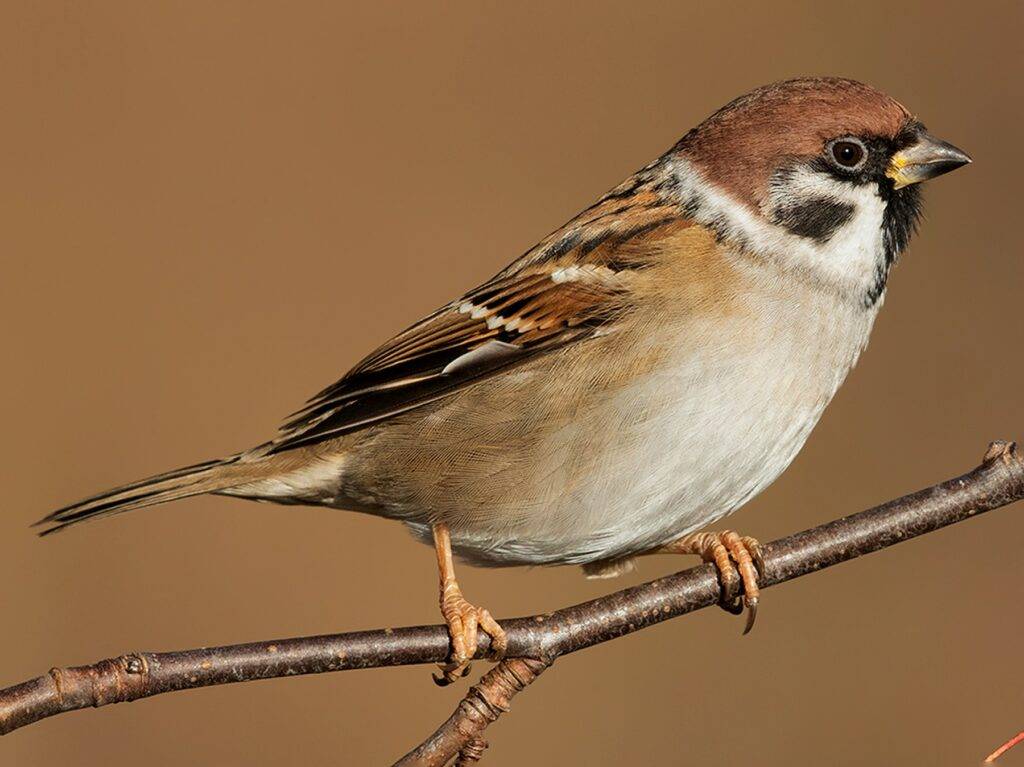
(998, 481)
(484, 703)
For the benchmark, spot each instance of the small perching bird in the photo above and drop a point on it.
(640, 373)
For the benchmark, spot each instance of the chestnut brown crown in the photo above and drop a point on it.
(742, 144)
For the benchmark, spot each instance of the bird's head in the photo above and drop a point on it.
(818, 173)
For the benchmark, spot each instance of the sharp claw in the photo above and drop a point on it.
(751, 615)
(732, 606)
(451, 673)
(731, 591)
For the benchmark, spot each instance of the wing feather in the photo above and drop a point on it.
(459, 345)
(572, 286)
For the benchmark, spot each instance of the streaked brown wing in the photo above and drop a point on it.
(570, 287)
(502, 323)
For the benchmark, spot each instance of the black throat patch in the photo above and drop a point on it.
(899, 222)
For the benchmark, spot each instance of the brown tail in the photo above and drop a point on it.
(207, 477)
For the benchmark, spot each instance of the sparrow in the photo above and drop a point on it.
(637, 375)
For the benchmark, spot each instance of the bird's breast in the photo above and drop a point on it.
(724, 410)
(710, 428)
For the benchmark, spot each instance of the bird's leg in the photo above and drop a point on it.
(463, 619)
(724, 549)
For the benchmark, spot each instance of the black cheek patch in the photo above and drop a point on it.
(815, 219)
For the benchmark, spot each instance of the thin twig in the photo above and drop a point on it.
(999, 480)
(1016, 739)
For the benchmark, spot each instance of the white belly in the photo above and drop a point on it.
(714, 438)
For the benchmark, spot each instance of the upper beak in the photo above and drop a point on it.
(926, 158)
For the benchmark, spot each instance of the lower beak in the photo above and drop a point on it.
(926, 158)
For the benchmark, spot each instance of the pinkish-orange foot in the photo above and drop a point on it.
(729, 552)
(464, 620)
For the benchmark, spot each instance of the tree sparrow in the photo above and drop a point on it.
(640, 373)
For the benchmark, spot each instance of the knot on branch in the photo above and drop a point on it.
(1001, 450)
(489, 698)
(1005, 455)
(114, 680)
(471, 753)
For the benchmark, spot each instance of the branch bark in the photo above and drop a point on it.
(486, 700)
(534, 642)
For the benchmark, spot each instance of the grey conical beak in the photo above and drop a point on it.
(926, 158)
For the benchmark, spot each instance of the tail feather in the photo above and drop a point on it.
(197, 479)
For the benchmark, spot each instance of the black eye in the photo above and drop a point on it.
(847, 152)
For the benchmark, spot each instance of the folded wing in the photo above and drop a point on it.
(571, 287)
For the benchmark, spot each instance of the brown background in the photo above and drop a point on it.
(209, 211)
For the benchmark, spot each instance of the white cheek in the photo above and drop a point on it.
(856, 251)
(848, 262)
(852, 254)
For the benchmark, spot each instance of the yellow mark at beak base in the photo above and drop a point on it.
(926, 158)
